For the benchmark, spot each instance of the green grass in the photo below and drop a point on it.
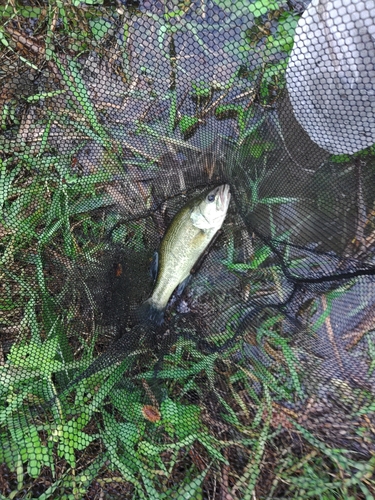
(217, 417)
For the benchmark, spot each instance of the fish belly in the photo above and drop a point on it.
(178, 254)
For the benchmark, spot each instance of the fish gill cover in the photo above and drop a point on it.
(258, 380)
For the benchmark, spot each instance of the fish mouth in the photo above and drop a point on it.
(224, 196)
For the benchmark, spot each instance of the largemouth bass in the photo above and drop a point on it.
(187, 237)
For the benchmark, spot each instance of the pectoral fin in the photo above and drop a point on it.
(154, 266)
(181, 287)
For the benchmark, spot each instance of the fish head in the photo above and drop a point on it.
(211, 208)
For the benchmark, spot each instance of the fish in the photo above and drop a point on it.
(189, 234)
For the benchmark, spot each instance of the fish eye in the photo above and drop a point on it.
(211, 197)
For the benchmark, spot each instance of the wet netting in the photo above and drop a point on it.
(187, 236)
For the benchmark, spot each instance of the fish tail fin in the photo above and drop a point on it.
(148, 312)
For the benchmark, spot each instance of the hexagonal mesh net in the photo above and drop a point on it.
(187, 249)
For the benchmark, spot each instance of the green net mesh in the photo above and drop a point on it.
(256, 378)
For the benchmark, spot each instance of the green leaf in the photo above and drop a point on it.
(149, 449)
(192, 489)
(261, 7)
(70, 438)
(8, 451)
(99, 27)
(260, 255)
(163, 29)
(44, 95)
(211, 445)
(30, 447)
(128, 433)
(90, 203)
(65, 450)
(171, 15)
(3, 39)
(29, 355)
(201, 89)
(74, 81)
(128, 404)
(277, 200)
(187, 123)
(185, 419)
(283, 39)
(6, 180)
(228, 110)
